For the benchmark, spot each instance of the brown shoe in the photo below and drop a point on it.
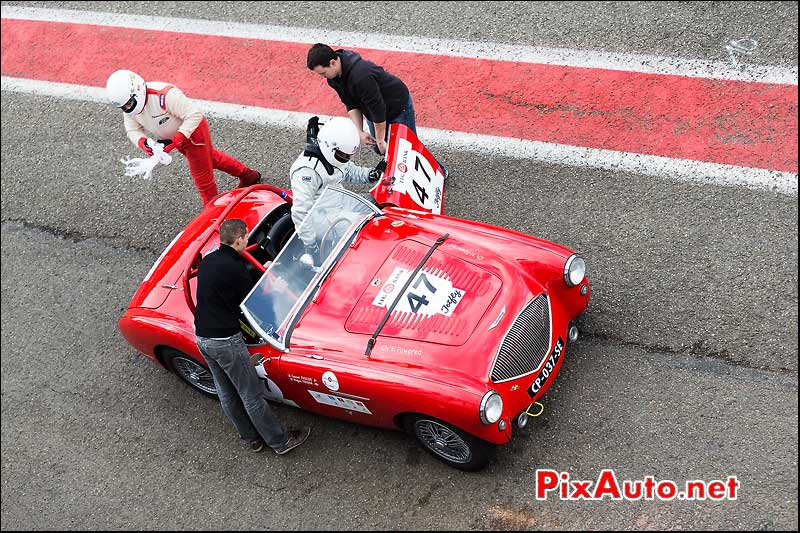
(249, 177)
(296, 438)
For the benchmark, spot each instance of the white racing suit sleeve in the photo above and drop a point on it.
(306, 187)
(356, 174)
(133, 129)
(185, 109)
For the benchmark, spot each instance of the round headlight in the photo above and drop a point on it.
(491, 407)
(574, 270)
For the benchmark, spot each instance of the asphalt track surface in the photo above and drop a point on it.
(687, 367)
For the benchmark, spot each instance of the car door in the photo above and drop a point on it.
(413, 178)
(335, 387)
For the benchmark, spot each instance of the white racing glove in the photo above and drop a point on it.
(144, 165)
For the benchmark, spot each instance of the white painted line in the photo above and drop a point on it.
(560, 154)
(648, 64)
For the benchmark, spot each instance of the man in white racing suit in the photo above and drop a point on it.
(325, 161)
(177, 122)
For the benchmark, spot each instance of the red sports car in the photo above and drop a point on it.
(447, 328)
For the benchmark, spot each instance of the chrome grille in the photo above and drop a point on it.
(526, 343)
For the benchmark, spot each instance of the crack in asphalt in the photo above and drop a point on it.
(77, 237)
(697, 349)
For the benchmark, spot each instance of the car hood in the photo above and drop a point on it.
(443, 303)
(483, 277)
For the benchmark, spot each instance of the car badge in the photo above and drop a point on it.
(499, 317)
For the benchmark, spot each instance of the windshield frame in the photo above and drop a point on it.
(321, 273)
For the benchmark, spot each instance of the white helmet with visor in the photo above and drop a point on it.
(338, 141)
(127, 90)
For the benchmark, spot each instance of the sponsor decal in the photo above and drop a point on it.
(306, 178)
(330, 380)
(247, 329)
(337, 401)
(163, 120)
(416, 178)
(452, 301)
(401, 350)
(305, 380)
(430, 294)
(473, 255)
(376, 282)
(382, 299)
(547, 369)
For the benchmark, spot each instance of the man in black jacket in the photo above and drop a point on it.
(223, 281)
(368, 91)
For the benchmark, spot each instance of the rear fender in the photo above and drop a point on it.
(149, 331)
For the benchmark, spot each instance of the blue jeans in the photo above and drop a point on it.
(406, 117)
(240, 391)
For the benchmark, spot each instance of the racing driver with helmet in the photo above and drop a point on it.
(176, 121)
(325, 161)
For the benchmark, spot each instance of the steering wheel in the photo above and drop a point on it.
(329, 233)
(278, 235)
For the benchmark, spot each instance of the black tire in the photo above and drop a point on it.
(449, 444)
(197, 376)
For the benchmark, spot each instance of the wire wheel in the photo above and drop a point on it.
(442, 441)
(192, 372)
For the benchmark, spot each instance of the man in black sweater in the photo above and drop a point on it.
(368, 91)
(223, 281)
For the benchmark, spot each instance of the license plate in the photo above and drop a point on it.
(547, 369)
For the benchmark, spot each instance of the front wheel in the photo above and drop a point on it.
(449, 444)
(196, 375)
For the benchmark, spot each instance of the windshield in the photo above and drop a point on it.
(289, 281)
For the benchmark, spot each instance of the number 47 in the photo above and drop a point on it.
(416, 301)
(421, 192)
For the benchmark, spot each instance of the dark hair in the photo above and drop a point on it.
(232, 229)
(320, 54)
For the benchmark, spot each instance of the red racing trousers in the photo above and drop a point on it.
(203, 158)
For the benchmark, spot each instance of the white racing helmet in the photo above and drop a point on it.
(338, 140)
(127, 90)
